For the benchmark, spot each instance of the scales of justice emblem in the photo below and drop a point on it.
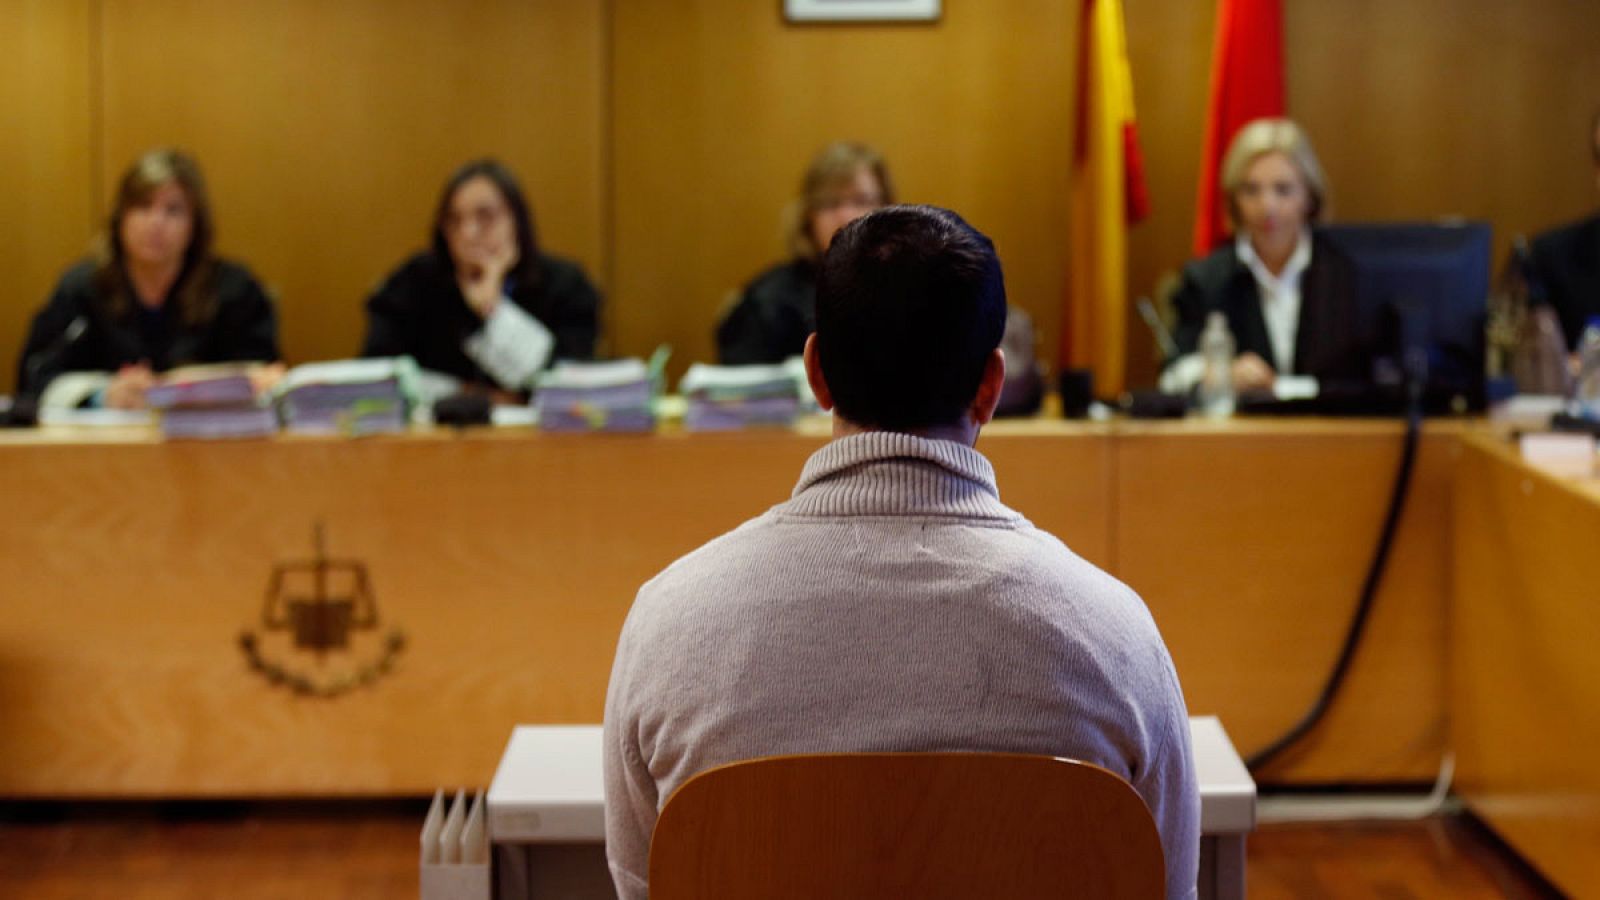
(318, 612)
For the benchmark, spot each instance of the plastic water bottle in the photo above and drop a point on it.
(1216, 385)
(1586, 389)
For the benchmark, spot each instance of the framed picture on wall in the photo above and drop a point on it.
(861, 10)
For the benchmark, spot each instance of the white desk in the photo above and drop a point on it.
(547, 812)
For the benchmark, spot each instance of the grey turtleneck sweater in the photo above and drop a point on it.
(893, 603)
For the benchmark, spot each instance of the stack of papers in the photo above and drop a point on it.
(353, 396)
(1569, 454)
(724, 398)
(608, 396)
(210, 402)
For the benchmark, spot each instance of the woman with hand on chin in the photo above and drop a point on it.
(483, 304)
(1288, 294)
(152, 298)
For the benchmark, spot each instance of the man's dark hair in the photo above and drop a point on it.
(910, 304)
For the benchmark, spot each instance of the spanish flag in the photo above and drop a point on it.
(1246, 84)
(1108, 195)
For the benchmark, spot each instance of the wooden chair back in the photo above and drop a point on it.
(926, 825)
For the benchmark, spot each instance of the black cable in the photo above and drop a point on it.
(1369, 588)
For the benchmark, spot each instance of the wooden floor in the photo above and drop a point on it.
(352, 852)
(1446, 856)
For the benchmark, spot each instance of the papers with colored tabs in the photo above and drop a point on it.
(353, 396)
(602, 396)
(230, 400)
(723, 398)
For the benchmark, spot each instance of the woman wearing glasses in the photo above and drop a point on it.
(483, 304)
(770, 320)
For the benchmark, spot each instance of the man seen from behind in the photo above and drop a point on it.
(893, 603)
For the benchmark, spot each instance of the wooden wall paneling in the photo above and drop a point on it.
(719, 105)
(1441, 108)
(1525, 684)
(671, 135)
(45, 158)
(327, 129)
(1250, 548)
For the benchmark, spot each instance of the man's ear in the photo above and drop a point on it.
(819, 385)
(989, 388)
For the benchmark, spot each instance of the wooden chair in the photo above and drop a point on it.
(924, 825)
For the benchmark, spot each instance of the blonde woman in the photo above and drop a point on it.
(777, 310)
(1289, 295)
(152, 297)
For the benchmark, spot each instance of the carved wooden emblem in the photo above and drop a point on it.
(319, 632)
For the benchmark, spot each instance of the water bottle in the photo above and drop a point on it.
(1216, 385)
(1586, 389)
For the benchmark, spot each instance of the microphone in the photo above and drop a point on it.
(57, 348)
(24, 409)
(1164, 339)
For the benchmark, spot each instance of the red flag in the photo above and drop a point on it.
(1246, 84)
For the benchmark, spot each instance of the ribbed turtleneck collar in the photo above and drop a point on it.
(891, 473)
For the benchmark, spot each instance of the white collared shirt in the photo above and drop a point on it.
(1280, 297)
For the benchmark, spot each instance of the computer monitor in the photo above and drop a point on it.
(1424, 286)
